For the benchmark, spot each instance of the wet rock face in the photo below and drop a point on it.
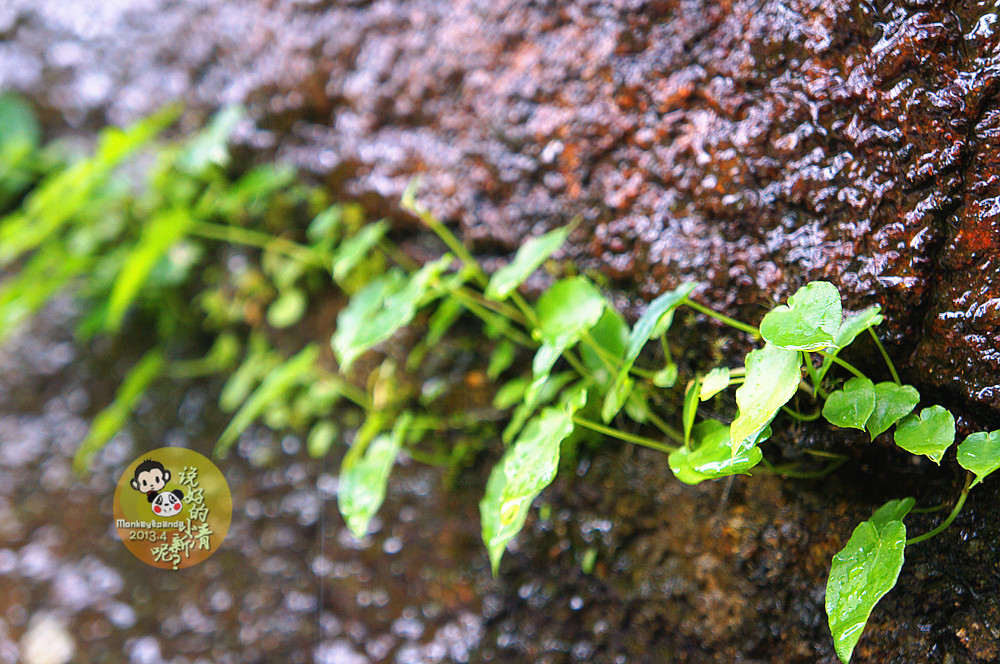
(749, 145)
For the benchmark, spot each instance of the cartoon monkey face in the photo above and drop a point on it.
(150, 478)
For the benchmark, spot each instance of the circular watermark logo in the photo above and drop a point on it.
(172, 508)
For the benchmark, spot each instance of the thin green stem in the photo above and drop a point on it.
(951, 517)
(524, 307)
(785, 471)
(612, 363)
(427, 458)
(621, 435)
(810, 369)
(499, 307)
(844, 363)
(576, 363)
(264, 241)
(401, 259)
(722, 318)
(885, 356)
(485, 315)
(801, 417)
(667, 430)
(453, 243)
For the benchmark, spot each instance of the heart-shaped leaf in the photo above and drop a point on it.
(892, 403)
(980, 454)
(772, 378)
(930, 434)
(863, 572)
(808, 322)
(713, 456)
(851, 406)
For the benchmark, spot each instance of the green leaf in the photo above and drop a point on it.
(666, 377)
(772, 379)
(258, 362)
(19, 130)
(321, 438)
(501, 359)
(545, 358)
(609, 334)
(714, 382)
(851, 406)
(326, 224)
(529, 257)
(690, 409)
(712, 456)
(535, 397)
(809, 320)
(568, 309)
(363, 477)
(660, 309)
(863, 572)
(441, 321)
(162, 232)
(642, 332)
(288, 309)
(930, 434)
(510, 393)
(892, 402)
(280, 379)
(111, 420)
(616, 397)
(381, 308)
(980, 454)
(853, 325)
(356, 248)
(856, 323)
(211, 145)
(61, 197)
(527, 468)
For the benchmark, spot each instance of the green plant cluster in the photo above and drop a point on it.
(181, 241)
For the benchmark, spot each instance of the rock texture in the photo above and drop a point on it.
(749, 145)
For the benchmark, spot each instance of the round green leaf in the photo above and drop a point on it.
(892, 402)
(321, 438)
(980, 454)
(288, 309)
(851, 406)
(568, 309)
(930, 434)
(666, 377)
(808, 322)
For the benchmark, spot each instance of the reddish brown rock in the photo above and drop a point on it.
(749, 145)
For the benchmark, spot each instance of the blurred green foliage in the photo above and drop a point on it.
(167, 237)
